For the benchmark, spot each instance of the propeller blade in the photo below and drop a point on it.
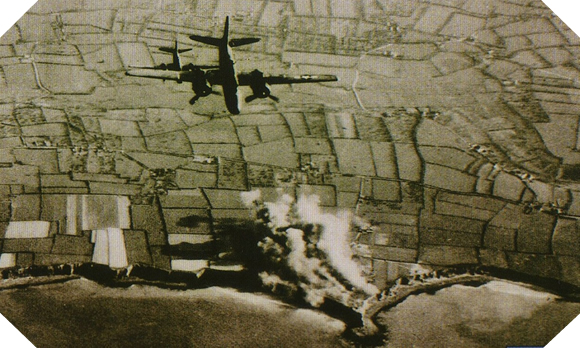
(251, 98)
(274, 98)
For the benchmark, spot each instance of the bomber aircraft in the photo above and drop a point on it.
(177, 72)
(175, 65)
(225, 73)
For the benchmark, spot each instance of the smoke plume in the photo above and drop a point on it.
(308, 251)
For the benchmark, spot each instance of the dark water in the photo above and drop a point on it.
(81, 313)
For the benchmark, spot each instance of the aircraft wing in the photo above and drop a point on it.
(196, 66)
(246, 79)
(285, 79)
(146, 67)
(155, 74)
(214, 77)
(189, 66)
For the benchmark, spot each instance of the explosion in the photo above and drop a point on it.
(308, 251)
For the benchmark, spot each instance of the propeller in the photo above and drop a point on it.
(267, 94)
(251, 98)
(259, 88)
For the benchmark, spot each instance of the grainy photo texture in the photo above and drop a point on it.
(289, 173)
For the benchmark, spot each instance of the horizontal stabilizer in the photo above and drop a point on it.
(206, 40)
(243, 41)
(173, 50)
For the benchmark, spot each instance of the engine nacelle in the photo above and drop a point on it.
(260, 91)
(201, 88)
(258, 84)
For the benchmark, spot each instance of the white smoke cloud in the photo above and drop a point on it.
(334, 241)
(250, 197)
(280, 211)
(314, 247)
(274, 281)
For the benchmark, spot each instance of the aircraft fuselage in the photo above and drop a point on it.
(176, 65)
(229, 78)
(226, 75)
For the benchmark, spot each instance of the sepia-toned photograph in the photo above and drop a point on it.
(290, 173)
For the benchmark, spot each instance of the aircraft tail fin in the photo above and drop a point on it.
(232, 43)
(206, 40)
(226, 29)
(243, 41)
